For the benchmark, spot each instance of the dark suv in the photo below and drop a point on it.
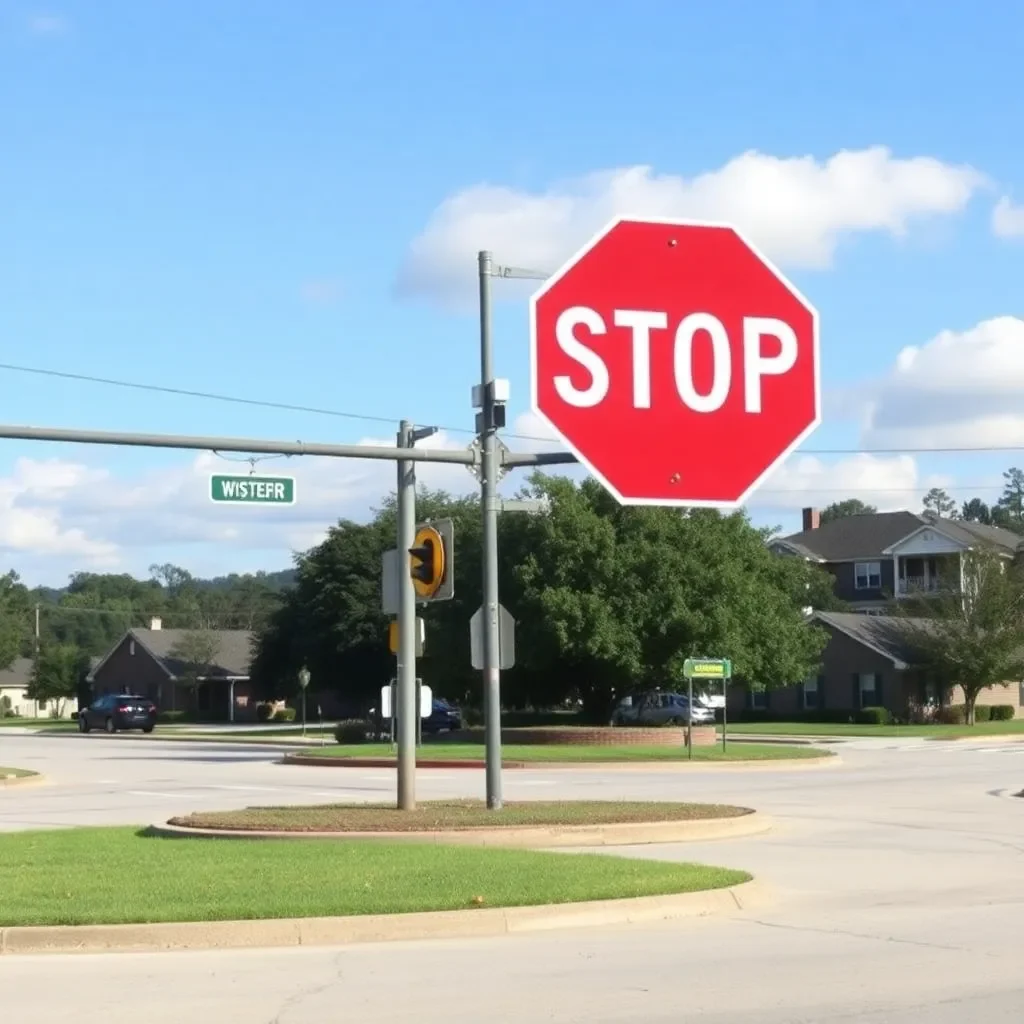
(118, 711)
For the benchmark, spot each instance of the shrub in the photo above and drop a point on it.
(352, 730)
(264, 711)
(1003, 712)
(982, 713)
(953, 714)
(284, 715)
(874, 716)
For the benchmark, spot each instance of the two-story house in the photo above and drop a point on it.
(882, 556)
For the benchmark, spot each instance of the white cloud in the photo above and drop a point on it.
(797, 209)
(48, 25)
(58, 517)
(1008, 219)
(887, 482)
(960, 389)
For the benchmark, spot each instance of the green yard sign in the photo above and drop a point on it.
(707, 668)
(252, 490)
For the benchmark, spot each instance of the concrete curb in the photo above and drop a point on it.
(1011, 737)
(338, 931)
(783, 765)
(529, 837)
(35, 779)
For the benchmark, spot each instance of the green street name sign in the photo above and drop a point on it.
(253, 490)
(707, 668)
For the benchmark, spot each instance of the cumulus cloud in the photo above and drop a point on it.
(797, 209)
(1008, 219)
(59, 517)
(887, 482)
(960, 389)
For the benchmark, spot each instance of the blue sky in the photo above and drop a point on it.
(248, 198)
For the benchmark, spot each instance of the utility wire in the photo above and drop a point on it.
(392, 420)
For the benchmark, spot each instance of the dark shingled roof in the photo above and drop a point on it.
(885, 634)
(18, 674)
(867, 536)
(233, 656)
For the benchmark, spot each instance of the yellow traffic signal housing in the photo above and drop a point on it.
(431, 561)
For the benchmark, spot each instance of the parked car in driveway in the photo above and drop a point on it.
(657, 708)
(118, 711)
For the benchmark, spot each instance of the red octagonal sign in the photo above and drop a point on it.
(676, 362)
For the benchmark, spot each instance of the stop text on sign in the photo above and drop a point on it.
(641, 323)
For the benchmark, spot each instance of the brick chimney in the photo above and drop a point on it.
(155, 623)
(812, 518)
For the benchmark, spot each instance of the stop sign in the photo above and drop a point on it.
(675, 361)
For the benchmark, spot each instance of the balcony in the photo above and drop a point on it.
(906, 585)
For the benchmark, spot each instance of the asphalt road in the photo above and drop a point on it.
(897, 884)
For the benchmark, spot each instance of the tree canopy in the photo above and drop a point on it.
(607, 599)
(842, 509)
(973, 636)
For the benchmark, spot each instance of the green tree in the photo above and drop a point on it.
(974, 637)
(1011, 503)
(938, 501)
(57, 674)
(976, 511)
(196, 651)
(15, 614)
(842, 509)
(618, 598)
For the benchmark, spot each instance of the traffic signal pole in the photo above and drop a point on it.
(406, 711)
(489, 504)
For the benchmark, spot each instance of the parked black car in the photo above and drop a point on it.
(444, 717)
(117, 711)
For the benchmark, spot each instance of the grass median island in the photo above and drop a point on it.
(14, 773)
(550, 752)
(453, 814)
(119, 876)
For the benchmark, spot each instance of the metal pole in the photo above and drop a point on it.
(725, 709)
(689, 713)
(406, 709)
(489, 505)
(37, 631)
(246, 445)
(303, 711)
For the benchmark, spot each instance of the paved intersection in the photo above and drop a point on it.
(897, 881)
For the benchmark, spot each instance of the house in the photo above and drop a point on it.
(145, 662)
(878, 557)
(13, 698)
(866, 663)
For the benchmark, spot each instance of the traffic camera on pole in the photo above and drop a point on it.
(432, 561)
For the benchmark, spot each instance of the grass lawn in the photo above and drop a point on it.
(453, 814)
(557, 752)
(39, 723)
(1014, 726)
(116, 875)
(18, 773)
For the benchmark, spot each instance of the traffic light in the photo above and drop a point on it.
(431, 564)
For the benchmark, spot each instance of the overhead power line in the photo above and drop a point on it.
(259, 403)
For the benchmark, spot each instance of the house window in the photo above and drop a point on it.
(867, 576)
(868, 689)
(811, 693)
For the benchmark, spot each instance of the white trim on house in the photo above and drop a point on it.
(958, 546)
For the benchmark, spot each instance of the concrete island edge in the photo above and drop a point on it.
(337, 931)
(537, 837)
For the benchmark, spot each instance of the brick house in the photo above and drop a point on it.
(866, 663)
(143, 662)
(884, 556)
